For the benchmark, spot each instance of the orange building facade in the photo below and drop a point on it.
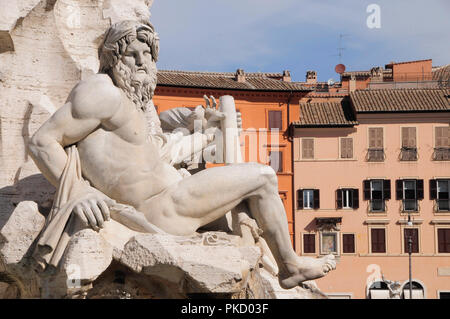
(371, 171)
(267, 102)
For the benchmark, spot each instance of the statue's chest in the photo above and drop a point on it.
(128, 124)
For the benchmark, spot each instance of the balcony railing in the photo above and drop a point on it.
(375, 155)
(408, 154)
(441, 154)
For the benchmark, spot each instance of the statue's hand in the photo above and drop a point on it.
(93, 210)
(212, 115)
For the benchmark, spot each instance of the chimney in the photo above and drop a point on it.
(311, 77)
(240, 75)
(287, 76)
(352, 83)
(376, 74)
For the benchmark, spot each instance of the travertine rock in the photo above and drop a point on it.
(19, 232)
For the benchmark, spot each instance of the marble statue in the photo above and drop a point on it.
(105, 149)
(395, 288)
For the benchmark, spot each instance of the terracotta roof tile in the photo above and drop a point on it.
(401, 100)
(442, 74)
(319, 114)
(226, 80)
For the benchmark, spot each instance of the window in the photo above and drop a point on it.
(347, 198)
(348, 243)
(442, 144)
(443, 240)
(440, 191)
(376, 145)
(275, 120)
(414, 234)
(378, 240)
(377, 191)
(346, 147)
(307, 148)
(409, 147)
(309, 243)
(308, 199)
(409, 191)
(276, 161)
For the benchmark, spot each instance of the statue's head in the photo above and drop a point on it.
(128, 55)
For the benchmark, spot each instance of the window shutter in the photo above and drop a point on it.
(348, 243)
(419, 189)
(408, 137)
(414, 233)
(444, 240)
(376, 137)
(378, 240)
(299, 198)
(308, 148)
(399, 189)
(386, 189)
(372, 138)
(366, 189)
(355, 198)
(433, 189)
(309, 243)
(275, 120)
(339, 198)
(347, 147)
(442, 136)
(316, 199)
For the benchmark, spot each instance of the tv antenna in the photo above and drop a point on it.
(340, 47)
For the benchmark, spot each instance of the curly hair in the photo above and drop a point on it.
(119, 36)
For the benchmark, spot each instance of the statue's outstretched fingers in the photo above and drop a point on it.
(105, 210)
(90, 216)
(79, 212)
(97, 213)
(208, 105)
(214, 106)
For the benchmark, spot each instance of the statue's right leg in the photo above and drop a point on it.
(203, 197)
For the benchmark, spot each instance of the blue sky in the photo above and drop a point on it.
(298, 35)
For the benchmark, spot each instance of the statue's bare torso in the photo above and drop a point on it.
(119, 160)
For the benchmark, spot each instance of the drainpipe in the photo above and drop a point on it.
(291, 139)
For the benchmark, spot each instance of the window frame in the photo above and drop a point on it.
(447, 228)
(382, 149)
(383, 203)
(280, 160)
(280, 129)
(437, 195)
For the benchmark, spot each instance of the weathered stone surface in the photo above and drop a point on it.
(19, 232)
(203, 268)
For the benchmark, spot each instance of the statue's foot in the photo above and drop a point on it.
(305, 268)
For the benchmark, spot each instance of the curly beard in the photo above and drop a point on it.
(138, 87)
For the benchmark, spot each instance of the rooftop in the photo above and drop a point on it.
(400, 100)
(228, 81)
(326, 114)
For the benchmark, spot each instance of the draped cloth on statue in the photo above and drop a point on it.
(61, 224)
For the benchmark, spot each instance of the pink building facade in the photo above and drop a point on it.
(370, 173)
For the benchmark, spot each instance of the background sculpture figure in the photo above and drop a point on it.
(125, 156)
